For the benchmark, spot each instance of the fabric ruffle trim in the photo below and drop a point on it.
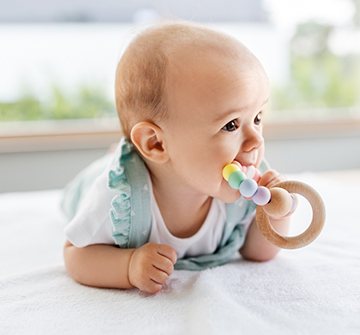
(120, 212)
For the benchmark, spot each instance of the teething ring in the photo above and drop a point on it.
(310, 234)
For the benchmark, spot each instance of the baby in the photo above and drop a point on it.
(190, 100)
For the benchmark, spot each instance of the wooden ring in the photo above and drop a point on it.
(310, 234)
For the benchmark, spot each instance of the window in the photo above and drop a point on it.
(58, 58)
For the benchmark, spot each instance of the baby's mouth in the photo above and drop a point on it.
(245, 164)
(250, 161)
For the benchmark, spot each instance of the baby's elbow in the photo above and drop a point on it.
(71, 262)
(259, 257)
(256, 258)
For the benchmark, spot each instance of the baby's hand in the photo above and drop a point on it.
(270, 178)
(150, 266)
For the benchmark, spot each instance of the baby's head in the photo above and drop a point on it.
(189, 97)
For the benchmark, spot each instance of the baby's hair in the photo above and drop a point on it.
(141, 73)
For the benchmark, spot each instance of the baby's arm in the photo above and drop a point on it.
(256, 247)
(101, 265)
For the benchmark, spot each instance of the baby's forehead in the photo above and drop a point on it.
(207, 46)
(210, 61)
(218, 50)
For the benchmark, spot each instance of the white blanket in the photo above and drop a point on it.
(314, 290)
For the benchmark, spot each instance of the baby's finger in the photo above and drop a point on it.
(269, 178)
(164, 264)
(167, 251)
(158, 276)
(151, 287)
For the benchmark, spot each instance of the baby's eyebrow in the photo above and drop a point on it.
(227, 114)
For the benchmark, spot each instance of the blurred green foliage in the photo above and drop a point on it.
(86, 102)
(321, 83)
(319, 79)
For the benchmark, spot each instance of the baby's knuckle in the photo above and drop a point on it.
(153, 288)
(174, 256)
(163, 277)
(171, 253)
(169, 268)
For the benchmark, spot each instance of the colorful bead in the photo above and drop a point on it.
(250, 171)
(229, 169)
(248, 188)
(236, 178)
(277, 201)
(280, 204)
(253, 173)
(262, 196)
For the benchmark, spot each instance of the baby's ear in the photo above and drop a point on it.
(148, 139)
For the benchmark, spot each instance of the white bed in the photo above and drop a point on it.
(315, 290)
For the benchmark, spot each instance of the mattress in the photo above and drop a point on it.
(311, 290)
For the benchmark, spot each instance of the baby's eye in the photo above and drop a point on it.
(258, 118)
(230, 126)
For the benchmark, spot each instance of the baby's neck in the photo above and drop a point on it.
(183, 210)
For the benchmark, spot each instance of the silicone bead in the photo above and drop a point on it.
(248, 188)
(236, 178)
(228, 170)
(262, 196)
(253, 173)
(280, 204)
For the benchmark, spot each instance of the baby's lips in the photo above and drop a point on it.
(237, 163)
(243, 168)
(251, 171)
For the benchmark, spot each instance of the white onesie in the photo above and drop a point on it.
(92, 223)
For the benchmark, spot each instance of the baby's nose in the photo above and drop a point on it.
(253, 140)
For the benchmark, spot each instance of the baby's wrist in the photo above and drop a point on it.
(129, 268)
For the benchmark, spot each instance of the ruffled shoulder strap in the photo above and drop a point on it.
(129, 177)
